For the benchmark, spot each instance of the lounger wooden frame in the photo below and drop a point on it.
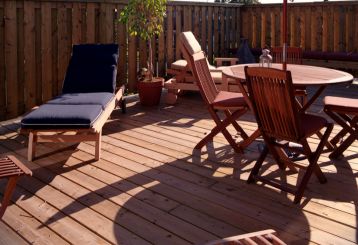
(91, 134)
(184, 80)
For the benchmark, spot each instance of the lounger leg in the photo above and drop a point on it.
(11, 184)
(98, 145)
(171, 97)
(124, 105)
(31, 146)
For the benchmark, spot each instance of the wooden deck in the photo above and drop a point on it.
(151, 187)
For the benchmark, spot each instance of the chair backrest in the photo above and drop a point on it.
(272, 96)
(92, 68)
(199, 66)
(294, 55)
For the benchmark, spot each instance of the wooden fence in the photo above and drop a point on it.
(36, 38)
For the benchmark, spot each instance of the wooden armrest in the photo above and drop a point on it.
(220, 60)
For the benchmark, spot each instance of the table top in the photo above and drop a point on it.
(301, 74)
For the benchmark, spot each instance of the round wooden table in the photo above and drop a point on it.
(302, 75)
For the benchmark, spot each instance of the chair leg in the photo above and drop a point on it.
(258, 165)
(221, 127)
(31, 146)
(238, 128)
(123, 105)
(98, 146)
(171, 97)
(11, 184)
(313, 166)
(346, 143)
(349, 125)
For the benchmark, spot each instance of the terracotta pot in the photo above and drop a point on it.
(150, 92)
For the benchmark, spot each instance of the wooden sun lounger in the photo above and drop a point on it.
(88, 98)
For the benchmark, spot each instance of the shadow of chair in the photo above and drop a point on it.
(232, 104)
(294, 56)
(271, 93)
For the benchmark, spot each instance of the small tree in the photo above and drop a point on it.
(145, 19)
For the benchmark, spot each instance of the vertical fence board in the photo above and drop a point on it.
(263, 29)
(355, 22)
(239, 30)
(20, 60)
(143, 56)
(122, 61)
(221, 33)
(153, 41)
(349, 29)
(2, 68)
(90, 22)
(76, 23)
(307, 43)
(313, 29)
(196, 22)
(62, 44)
(336, 29)
(210, 32)
(38, 65)
(216, 34)
(187, 18)
(254, 30)
(54, 33)
(203, 25)
(302, 41)
(178, 28)
(245, 24)
(170, 47)
(11, 78)
(106, 23)
(46, 50)
(292, 29)
(161, 54)
(132, 64)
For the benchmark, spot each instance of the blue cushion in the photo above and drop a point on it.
(101, 99)
(92, 68)
(53, 116)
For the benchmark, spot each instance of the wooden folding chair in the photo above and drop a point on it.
(265, 237)
(11, 168)
(280, 122)
(232, 104)
(294, 56)
(345, 112)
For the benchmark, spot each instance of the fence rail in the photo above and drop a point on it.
(36, 38)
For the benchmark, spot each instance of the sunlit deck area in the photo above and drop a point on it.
(150, 187)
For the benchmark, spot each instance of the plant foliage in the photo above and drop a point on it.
(144, 17)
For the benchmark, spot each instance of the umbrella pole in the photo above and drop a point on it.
(284, 38)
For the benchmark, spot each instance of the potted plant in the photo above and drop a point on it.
(145, 19)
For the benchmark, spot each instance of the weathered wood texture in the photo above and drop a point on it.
(151, 187)
(36, 38)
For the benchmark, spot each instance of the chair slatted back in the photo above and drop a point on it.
(199, 66)
(272, 96)
(294, 55)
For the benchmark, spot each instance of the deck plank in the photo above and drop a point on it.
(151, 187)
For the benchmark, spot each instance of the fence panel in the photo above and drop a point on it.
(36, 37)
